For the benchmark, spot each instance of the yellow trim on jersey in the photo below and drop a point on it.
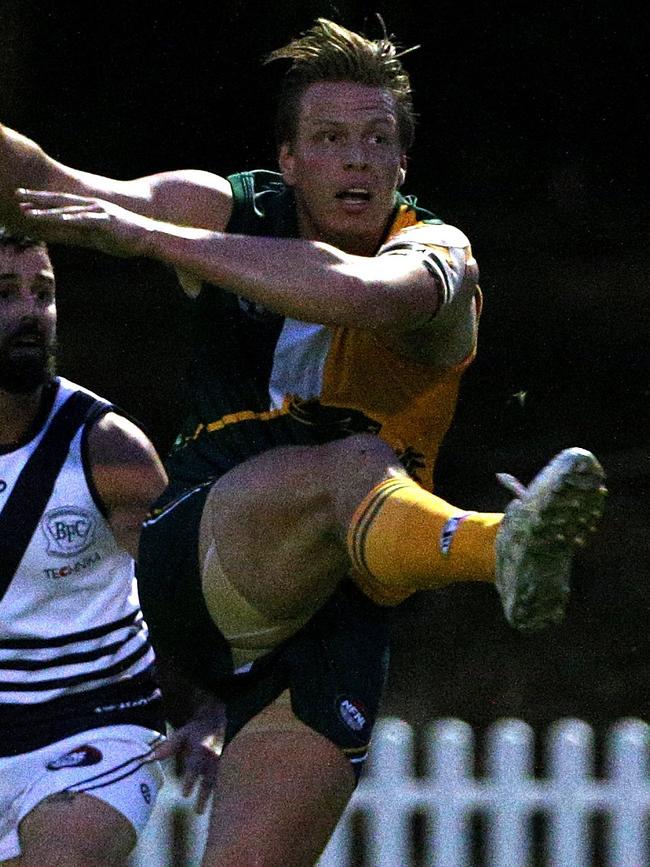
(410, 403)
(246, 415)
(236, 417)
(405, 218)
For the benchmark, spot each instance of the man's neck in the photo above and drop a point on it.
(17, 412)
(359, 245)
(355, 246)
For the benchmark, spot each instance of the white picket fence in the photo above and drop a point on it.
(449, 795)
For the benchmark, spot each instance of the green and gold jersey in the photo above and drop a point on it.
(259, 379)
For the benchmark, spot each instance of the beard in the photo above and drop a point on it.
(25, 372)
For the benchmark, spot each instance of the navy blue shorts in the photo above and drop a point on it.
(334, 667)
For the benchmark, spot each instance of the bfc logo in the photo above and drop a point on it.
(68, 530)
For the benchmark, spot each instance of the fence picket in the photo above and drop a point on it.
(511, 787)
(629, 798)
(569, 789)
(452, 791)
(390, 771)
(338, 852)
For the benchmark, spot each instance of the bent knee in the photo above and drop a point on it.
(362, 446)
(355, 465)
(78, 829)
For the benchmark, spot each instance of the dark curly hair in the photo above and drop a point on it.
(17, 241)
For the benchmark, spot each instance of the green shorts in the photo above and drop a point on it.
(334, 667)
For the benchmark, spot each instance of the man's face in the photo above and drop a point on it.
(27, 318)
(345, 164)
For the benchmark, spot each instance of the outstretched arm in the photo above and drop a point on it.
(308, 280)
(189, 198)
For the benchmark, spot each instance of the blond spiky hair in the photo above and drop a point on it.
(330, 52)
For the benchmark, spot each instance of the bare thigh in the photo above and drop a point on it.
(279, 520)
(281, 791)
(74, 830)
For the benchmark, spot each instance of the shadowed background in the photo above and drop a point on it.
(530, 140)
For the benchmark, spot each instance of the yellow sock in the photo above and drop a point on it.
(403, 538)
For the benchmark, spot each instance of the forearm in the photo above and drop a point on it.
(307, 280)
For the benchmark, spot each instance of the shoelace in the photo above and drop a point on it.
(512, 484)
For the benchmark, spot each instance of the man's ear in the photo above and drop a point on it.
(287, 163)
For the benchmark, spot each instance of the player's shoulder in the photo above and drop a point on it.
(115, 436)
(414, 224)
(123, 462)
(108, 429)
(66, 387)
(255, 187)
(437, 234)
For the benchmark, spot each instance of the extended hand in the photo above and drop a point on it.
(196, 748)
(22, 164)
(62, 218)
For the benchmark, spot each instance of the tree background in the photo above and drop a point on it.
(531, 140)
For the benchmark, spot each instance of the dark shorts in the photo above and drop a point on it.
(132, 701)
(334, 667)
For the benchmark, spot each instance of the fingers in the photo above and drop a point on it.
(200, 773)
(203, 796)
(50, 199)
(175, 746)
(69, 214)
(196, 763)
(164, 750)
(47, 206)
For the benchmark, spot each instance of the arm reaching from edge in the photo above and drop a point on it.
(195, 748)
(308, 280)
(187, 197)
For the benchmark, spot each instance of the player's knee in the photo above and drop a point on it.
(76, 831)
(71, 857)
(355, 465)
(364, 447)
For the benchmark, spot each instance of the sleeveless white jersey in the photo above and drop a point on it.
(70, 619)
